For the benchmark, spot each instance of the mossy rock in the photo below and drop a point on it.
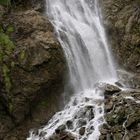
(133, 120)
(7, 80)
(117, 136)
(138, 1)
(5, 41)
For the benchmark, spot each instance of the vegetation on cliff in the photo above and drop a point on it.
(31, 62)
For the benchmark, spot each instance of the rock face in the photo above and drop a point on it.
(122, 22)
(29, 72)
(128, 80)
(61, 134)
(122, 116)
(108, 89)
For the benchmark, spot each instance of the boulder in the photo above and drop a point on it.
(60, 129)
(82, 131)
(69, 124)
(62, 135)
(108, 89)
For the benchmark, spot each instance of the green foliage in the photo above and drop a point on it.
(5, 2)
(22, 54)
(6, 49)
(5, 41)
(1, 55)
(6, 76)
(12, 64)
(9, 29)
(10, 106)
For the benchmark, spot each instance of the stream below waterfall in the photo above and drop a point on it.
(78, 25)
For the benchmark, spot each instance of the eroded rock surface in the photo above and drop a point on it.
(29, 72)
(122, 116)
(122, 23)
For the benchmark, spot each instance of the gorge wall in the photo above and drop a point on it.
(122, 23)
(33, 66)
(31, 72)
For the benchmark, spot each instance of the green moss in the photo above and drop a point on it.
(6, 77)
(10, 107)
(43, 104)
(5, 2)
(1, 30)
(5, 41)
(138, 1)
(12, 64)
(1, 55)
(22, 54)
(9, 29)
(6, 49)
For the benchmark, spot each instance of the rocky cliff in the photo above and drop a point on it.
(33, 65)
(31, 72)
(122, 115)
(122, 23)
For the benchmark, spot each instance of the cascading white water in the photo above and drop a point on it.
(81, 34)
(78, 26)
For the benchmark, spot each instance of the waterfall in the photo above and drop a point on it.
(81, 34)
(79, 30)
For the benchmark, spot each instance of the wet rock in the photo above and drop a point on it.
(104, 129)
(60, 129)
(69, 124)
(90, 114)
(108, 89)
(119, 84)
(42, 134)
(117, 136)
(121, 115)
(87, 99)
(130, 80)
(82, 131)
(108, 105)
(81, 122)
(64, 135)
(133, 120)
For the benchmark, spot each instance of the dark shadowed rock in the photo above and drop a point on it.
(60, 129)
(81, 122)
(82, 131)
(63, 135)
(69, 124)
